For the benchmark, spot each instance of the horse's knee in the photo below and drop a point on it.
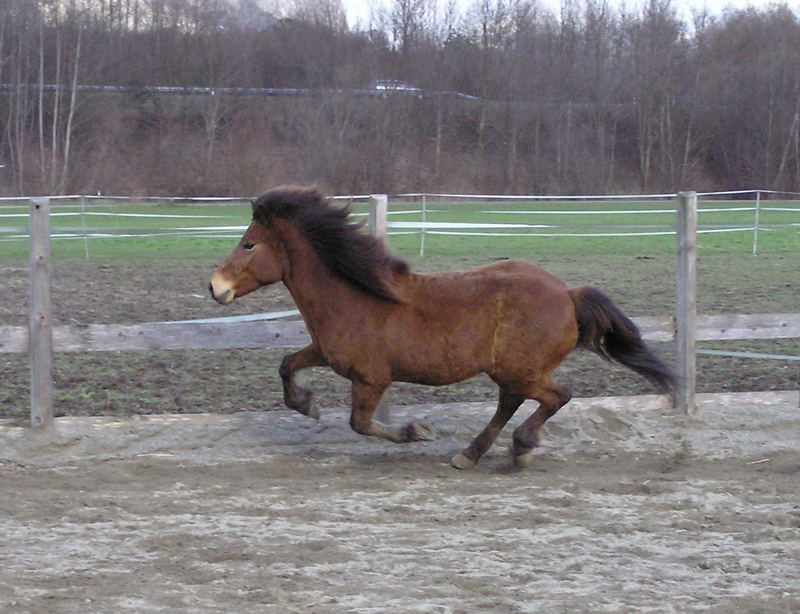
(564, 396)
(551, 397)
(285, 370)
(295, 393)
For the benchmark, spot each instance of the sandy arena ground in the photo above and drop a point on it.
(626, 509)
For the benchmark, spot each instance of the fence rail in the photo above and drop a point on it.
(41, 339)
(157, 336)
(754, 224)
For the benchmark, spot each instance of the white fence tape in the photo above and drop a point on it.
(252, 317)
(620, 211)
(755, 355)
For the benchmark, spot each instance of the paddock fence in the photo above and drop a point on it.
(41, 338)
(746, 213)
(748, 216)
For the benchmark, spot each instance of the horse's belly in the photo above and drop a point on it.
(433, 378)
(435, 369)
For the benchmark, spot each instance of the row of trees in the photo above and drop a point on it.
(513, 98)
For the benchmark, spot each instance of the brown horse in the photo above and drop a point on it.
(374, 321)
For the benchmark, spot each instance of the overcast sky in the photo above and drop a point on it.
(359, 10)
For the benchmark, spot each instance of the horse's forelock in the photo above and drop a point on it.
(287, 202)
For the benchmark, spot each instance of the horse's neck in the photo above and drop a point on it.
(323, 298)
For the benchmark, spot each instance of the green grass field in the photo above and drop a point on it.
(533, 230)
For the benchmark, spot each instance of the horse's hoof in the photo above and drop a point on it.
(523, 460)
(420, 431)
(301, 403)
(461, 461)
(307, 410)
(299, 399)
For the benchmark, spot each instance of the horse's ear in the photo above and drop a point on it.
(253, 207)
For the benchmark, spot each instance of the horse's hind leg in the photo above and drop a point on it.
(551, 398)
(365, 401)
(506, 406)
(295, 395)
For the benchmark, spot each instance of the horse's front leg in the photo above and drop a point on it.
(365, 401)
(295, 394)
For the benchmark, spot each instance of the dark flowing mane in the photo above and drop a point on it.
(341, 244)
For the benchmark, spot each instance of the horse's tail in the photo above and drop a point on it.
(606, 331)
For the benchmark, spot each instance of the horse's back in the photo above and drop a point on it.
(502, 280)
(521, 271)
(461, 323)
(490, 287)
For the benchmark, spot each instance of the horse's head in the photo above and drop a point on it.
(258, 260)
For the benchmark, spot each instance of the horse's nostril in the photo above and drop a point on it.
(223, 298)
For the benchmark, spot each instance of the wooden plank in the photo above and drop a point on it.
(41, 320)
(13, 339)
(656, 328)
(256, 334)
(686, 309)
(749, 326)
(181, 336)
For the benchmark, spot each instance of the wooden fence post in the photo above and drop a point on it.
(686, 309)
(378, 213)
(377, 224)
(41, 323)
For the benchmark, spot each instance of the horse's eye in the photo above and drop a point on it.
(248, 246)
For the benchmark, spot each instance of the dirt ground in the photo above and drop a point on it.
(627, 508)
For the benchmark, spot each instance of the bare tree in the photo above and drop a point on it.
(596, 98)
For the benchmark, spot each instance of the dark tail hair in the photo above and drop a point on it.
(606, 331)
